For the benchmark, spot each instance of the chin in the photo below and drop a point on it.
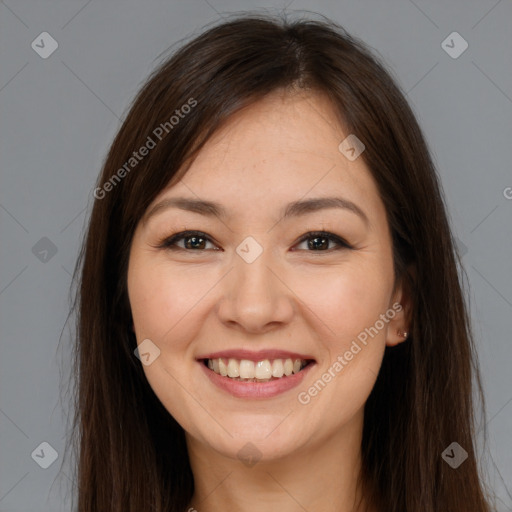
(256, 437)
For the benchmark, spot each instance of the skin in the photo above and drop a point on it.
(191, 302)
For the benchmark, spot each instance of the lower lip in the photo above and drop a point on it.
(268, 389)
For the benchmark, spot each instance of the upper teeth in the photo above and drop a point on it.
(261, 370)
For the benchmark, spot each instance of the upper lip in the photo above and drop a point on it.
(259, 355)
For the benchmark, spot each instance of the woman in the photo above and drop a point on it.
(270, 313)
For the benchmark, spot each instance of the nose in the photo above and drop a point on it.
(255, 297)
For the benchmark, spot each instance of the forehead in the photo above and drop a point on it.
(279, 149)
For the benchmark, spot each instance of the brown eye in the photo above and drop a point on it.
(319, 241)
(193, 241)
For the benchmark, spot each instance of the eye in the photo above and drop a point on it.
(318, 241)
(194, 241)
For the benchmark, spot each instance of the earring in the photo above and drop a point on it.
(402, 334)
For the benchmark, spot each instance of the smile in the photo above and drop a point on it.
(245, 370)
(255, 375)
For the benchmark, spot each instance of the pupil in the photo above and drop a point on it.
(313, 245)
(193, 240)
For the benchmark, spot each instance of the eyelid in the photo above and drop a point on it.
(342, 243)
(169, 242)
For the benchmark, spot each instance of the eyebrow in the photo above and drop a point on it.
(293, 209)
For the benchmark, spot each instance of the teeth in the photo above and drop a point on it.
(277, 368)
(246, 369)
(223, 369)
(261, 370)
(233, 368)
(288, 367)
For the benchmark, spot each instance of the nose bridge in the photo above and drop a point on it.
(254, 296)
(254, 277)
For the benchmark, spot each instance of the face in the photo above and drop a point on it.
(256, 292)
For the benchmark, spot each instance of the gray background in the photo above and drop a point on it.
(59, 115)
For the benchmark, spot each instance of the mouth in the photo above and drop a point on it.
(255, 375)
(259, 371)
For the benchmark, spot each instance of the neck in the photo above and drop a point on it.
(321, 476)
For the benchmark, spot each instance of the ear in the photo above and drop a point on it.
(399, 327)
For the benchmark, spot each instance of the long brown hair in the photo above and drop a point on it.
(131, 452)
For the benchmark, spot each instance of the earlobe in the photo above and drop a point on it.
(397, 335)
(399, 327)
(402, 334)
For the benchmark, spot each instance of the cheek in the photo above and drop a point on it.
(161, 296)
(347, 299)
(349, 304)
(160, 300)
(352, 350)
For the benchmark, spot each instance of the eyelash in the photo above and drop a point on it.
(169, 243)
